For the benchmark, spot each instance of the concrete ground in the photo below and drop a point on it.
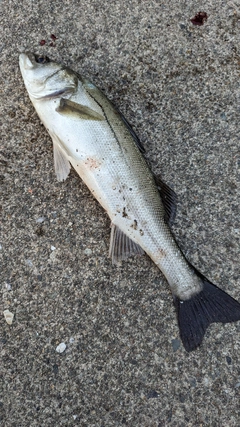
(123, 365)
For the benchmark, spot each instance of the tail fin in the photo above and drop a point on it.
(209, 306)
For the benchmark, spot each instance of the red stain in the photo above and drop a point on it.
(92, 163)
(52, 44)
(199, 18)
(160, 254)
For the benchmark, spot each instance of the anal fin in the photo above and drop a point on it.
(121, 246)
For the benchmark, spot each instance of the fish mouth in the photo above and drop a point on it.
(29, 60)
(26, 61)
(57, 94)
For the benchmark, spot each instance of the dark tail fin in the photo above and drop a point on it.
(209, 306)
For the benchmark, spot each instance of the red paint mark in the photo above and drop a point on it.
(42, 42)
(52, 44)
(199, 18)
(53, 37)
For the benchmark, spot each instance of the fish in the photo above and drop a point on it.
(91, 135)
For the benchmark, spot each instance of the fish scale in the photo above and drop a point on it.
(90, 134)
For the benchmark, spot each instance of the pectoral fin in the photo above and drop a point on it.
(77, 111)
(61, 163)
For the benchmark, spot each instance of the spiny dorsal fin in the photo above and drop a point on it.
(77, 111)
(134, 135)
(121, 246)
(98, 95)
(169, 199)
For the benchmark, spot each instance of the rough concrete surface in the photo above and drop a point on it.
(178, 85)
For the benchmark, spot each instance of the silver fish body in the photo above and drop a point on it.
(89, 133)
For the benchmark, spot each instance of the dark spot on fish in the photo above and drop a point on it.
(161, 253)
(134, 225)
(199, 18)
(130, 189)
(141, 232)
(53, 37)
(42, 42)
(124, 214)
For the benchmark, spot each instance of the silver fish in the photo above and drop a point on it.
(90, 134)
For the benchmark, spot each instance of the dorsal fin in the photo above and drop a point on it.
(169, 199)
(134, 135)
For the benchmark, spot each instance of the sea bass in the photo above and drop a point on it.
(90, 134)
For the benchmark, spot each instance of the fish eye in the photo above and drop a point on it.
(42, 59)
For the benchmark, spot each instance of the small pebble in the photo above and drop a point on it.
(53, 248)
(88, 251)
(8, 316)
(61, 347)
(41, 219)
(153, 394)
(229, 360)
(176, 344)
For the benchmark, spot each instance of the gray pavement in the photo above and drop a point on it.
(124, 365)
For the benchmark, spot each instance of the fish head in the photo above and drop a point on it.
(44, 78)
